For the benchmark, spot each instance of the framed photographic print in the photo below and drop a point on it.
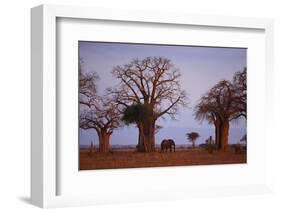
(149, 106)
(128, 112)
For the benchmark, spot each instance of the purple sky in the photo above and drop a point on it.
(201, 69)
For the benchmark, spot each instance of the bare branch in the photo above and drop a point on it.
(152, 80)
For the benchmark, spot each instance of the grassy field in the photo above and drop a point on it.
(128, 158)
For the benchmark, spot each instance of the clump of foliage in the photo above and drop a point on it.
(136, 113)
(192, 137)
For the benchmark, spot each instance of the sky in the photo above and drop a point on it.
(201, 68)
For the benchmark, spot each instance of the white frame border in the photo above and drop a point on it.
(43, 90)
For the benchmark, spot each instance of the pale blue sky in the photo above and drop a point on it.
(201, 69)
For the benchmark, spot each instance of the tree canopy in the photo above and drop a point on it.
(136, 113)
(153, 81)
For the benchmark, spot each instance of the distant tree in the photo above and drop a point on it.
(192, 137)
(152, 83)
(91, 148)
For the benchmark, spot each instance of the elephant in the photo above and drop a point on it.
(167, 144)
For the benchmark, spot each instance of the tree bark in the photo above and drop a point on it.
(146, 136)
(218, 134)
(104, 138)
(140, 146)
(224, 135)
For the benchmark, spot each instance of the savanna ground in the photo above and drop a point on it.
(129, 158)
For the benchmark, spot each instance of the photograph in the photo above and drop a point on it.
(160, 105)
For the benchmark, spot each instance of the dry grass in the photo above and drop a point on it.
(131, 159)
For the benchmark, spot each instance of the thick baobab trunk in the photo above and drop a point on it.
(224, 135)
(151, 138)
(146, 136)
(140, 146)
(218, 134)
(104, 138)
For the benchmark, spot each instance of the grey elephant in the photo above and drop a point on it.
(168, 144)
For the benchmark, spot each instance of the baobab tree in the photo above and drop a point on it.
(152, 83)
(104, 118)
(96, 112)
(192, 137)
(205, 111)
(225, 102)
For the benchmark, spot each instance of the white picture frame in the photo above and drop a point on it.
(44, 154)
